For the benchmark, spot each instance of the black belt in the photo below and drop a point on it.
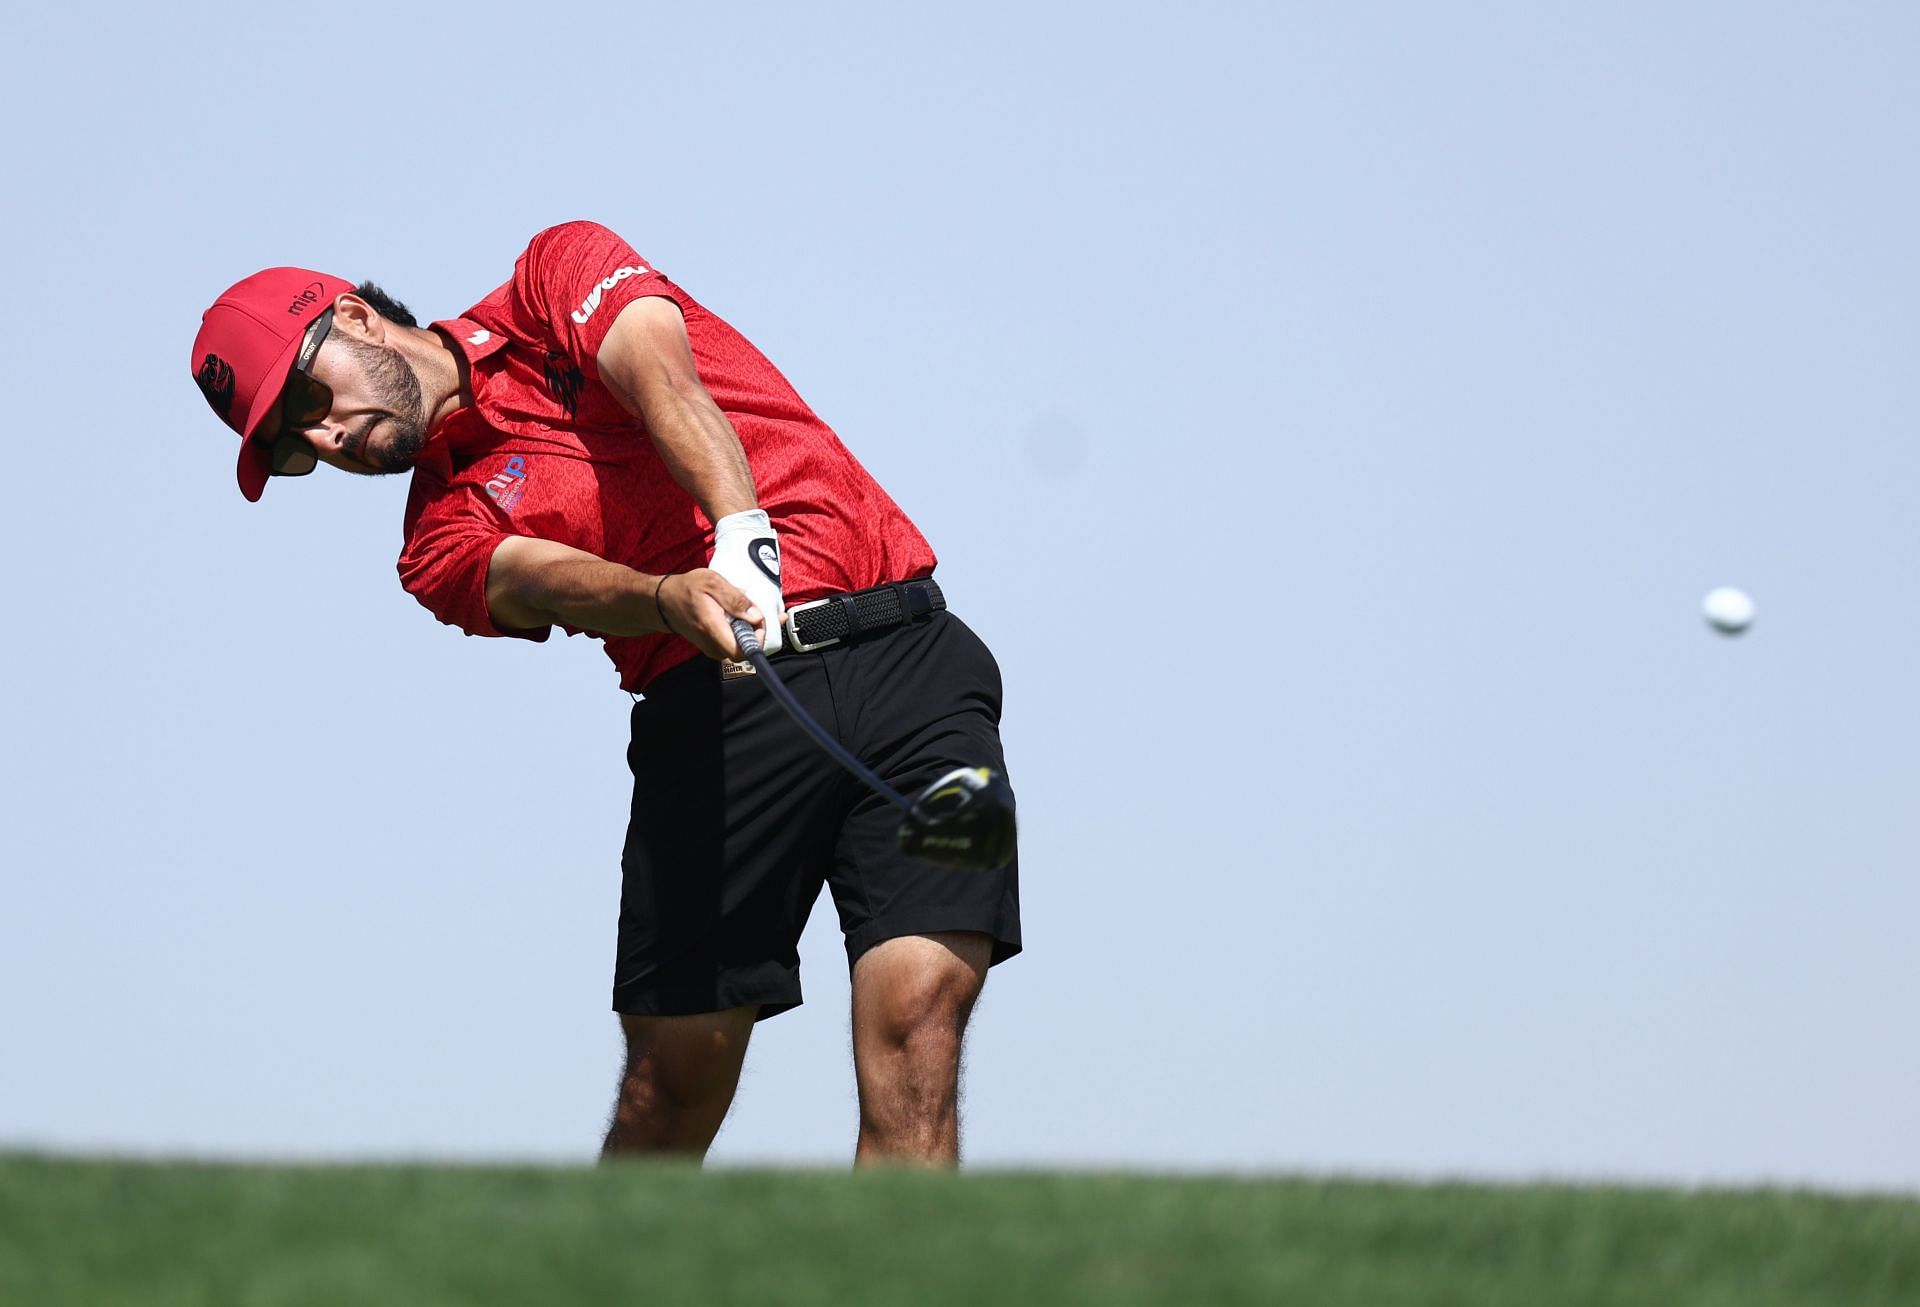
(819, 623)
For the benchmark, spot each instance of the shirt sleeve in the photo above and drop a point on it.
(444, 561)
(575, 279)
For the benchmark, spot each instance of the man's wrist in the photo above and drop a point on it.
(726, 508)
(751, 517)
(659, 604)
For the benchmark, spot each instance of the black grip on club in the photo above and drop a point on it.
(743, 632)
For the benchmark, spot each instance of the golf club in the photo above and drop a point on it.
(963, 819)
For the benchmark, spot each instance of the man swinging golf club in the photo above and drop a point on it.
(591, 448)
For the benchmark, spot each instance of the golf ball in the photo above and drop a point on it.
(1728, 611)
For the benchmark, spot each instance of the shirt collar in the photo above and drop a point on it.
(470, 338)
(476, 343)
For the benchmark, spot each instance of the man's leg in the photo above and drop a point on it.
(911, 1000)
(678, 1081)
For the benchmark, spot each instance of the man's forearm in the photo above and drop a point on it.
(598, 596)
(647, 362)
(534, 582)
(702, 452)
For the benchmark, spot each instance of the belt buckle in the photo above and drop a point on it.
(793, 640)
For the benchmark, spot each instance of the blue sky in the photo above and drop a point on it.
(1332, 415)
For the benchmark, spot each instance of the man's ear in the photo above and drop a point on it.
(359, 319)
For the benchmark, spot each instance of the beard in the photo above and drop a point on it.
(396, 389)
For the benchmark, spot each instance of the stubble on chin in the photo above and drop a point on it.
(397, 390)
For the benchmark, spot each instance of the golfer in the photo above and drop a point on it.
(592, 449)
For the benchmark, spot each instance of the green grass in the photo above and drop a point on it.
(100, 1233)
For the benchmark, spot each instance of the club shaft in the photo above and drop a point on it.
(750, 645)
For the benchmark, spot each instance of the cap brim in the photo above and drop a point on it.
(256, 455)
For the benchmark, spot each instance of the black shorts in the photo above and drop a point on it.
(739, 818)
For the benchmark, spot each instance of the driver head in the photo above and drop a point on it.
(964, 819)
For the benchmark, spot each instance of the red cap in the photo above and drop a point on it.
(246, 345)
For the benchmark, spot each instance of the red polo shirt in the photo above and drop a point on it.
(546, 450)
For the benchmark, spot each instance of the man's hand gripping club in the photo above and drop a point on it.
(701, 605)
(747, 553)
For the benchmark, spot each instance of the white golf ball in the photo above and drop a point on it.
(1728, 611)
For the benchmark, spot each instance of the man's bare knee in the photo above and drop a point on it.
(920, 988)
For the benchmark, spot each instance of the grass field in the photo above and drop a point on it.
(99, 1233)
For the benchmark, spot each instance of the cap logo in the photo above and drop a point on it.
(307, 298)
(215, 379)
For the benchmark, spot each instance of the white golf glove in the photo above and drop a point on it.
(747, 553)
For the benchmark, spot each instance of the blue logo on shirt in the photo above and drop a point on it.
(508, 484)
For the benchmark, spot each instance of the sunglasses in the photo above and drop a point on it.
(304, 401)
